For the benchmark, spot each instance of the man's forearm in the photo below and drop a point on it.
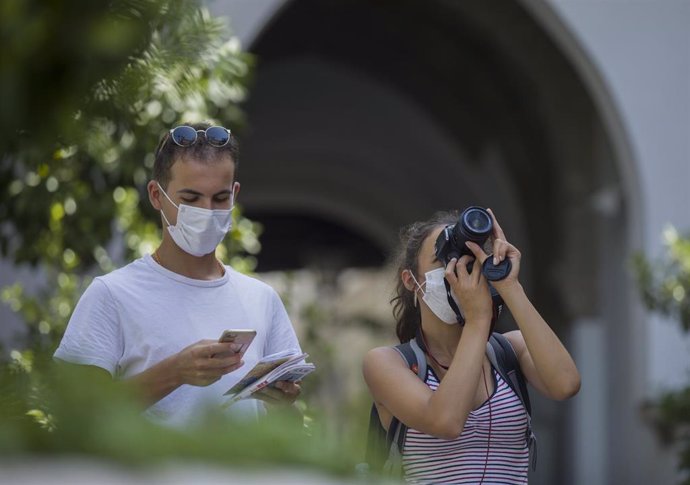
(155, 383)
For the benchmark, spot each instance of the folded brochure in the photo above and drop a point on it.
(282, 366)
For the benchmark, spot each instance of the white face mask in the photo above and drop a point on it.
(198, 231)
(435, 295)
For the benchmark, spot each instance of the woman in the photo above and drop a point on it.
(465, 423)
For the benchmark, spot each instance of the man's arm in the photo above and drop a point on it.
(200, 364)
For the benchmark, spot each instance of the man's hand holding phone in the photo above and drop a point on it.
(202, 364)
(240, 338)
(206, 361)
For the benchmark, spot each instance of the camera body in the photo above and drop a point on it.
(474, 224)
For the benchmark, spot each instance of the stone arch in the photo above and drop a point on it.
(367, 115)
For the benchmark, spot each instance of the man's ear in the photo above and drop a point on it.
(154, 194)
(235, 191)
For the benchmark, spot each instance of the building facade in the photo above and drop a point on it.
(570, 118)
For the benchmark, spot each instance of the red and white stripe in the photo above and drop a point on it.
(427, 459)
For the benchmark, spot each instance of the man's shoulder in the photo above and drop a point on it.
(249, 283)
(130, 274)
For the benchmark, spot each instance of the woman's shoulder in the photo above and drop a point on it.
(383, 352)
(383, 359)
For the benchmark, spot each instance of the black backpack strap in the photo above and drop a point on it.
(506, 363)
(413, 355)
(376, 442)
(503, 358)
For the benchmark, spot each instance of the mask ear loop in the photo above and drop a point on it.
(418, 287)
(167, 197)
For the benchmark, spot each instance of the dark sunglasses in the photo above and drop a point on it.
(186, 136)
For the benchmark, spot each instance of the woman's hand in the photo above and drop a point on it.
(471, 289)
(502, 250)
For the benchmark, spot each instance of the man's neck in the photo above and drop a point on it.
(171, 257)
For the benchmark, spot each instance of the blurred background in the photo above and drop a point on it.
(569, 118)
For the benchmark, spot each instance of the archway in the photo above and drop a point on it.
(366, 116)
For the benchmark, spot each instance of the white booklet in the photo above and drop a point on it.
(287, 365)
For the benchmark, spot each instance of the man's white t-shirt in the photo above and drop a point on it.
(134, 317)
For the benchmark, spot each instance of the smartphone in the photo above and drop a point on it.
(242, 336)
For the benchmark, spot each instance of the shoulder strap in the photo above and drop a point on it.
(503, 358)
(392, 441)
(413, 355)
(376, 443)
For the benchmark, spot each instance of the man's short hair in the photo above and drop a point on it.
(168, 152)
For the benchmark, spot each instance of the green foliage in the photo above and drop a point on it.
(91, 87)
(665, 288)
(89, 414)
(665, 283)
(84, 149)
(88, 89)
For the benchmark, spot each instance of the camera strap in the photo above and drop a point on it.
(453, 305)
(497, 305)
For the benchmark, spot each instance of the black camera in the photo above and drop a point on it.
(474, 224)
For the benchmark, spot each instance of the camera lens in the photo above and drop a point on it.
(477, 221)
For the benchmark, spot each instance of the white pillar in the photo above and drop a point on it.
(588, 425)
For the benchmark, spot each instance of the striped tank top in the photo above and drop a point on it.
(427, 459)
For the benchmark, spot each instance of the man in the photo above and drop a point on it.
(155, 323)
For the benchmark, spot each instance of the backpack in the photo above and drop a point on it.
(384, 448)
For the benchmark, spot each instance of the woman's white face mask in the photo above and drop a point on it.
(435, 296)
(198, 231)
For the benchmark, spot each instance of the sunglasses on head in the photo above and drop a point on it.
(186, 136)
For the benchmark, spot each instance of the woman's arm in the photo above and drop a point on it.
(441, 413)
(543, 359)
